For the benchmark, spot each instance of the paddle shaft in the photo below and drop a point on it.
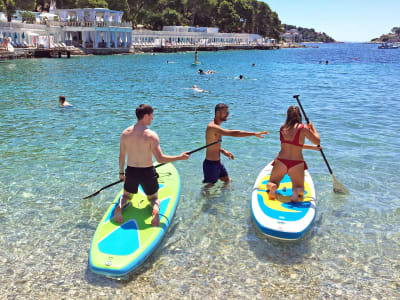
(193, 151)
(308, 121)
(159, 165)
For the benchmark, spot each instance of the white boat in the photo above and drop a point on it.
(388, 46)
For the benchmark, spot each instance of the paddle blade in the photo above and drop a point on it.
(338, 188)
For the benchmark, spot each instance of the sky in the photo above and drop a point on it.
(343, 20)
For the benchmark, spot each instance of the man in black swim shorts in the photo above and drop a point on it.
(138, 144)
(213, 169)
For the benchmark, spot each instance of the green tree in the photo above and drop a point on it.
(155, 21)
(10, 9)
(121, 5)
(262, 18)
(245, 11)
(141, 10)
(66, 3)
(228, 19)
(396, 30)
(171, 17)
(2, 6)
(28, 5)
(27, 16)
(91, 3)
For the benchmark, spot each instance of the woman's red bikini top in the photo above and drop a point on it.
(296, 138)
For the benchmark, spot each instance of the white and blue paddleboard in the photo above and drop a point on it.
(280, 218)
(118, 249)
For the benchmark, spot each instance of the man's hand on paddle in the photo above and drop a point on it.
(184, 156)
(260, 134)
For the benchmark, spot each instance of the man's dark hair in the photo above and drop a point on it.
(61, 99)
(220, 106)
(143, 109)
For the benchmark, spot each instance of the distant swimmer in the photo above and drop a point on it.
(326, 62)
(240, 77)
(197, 89)
(201, 72)
(63, 102)
(253, 65)
(195, 57)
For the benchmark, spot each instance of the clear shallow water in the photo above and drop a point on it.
(52, 157)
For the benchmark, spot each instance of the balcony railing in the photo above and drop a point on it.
(41, 25)
(91, 24)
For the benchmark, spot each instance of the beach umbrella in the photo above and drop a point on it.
(15, 35)
(23, 35)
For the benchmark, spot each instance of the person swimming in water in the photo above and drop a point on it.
(197, 89)
(63, 102)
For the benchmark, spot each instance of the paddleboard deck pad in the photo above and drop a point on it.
(117, 249)
(280, 218)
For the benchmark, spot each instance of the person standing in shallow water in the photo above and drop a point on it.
(213, 169)
(290, 159)
(138, 144)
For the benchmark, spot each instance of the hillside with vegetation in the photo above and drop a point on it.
(250, 16)
(393, 36)
(307, 35)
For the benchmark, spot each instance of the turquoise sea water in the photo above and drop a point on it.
(52, 157)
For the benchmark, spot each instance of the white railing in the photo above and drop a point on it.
(22, 25)
(202, 35)
(92, 24)
(43, 24)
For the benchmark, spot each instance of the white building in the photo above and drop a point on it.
(192, 36)
(94, 28)
(88, 28)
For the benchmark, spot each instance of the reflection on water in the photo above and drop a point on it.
(51, 158)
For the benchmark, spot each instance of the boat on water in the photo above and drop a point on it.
(388, 46)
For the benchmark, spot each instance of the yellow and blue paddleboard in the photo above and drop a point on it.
(118, 249)
(280, 218)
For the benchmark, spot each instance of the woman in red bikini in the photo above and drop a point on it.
(290, 159)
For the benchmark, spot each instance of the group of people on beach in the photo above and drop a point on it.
(138, 145)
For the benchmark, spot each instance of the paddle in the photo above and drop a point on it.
(337, 186)
(159, 165)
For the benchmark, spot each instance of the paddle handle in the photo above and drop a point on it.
(301, 107)
(308, 121)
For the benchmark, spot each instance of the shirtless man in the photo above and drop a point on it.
(140, 144)
(213, 169)
(63, 102)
